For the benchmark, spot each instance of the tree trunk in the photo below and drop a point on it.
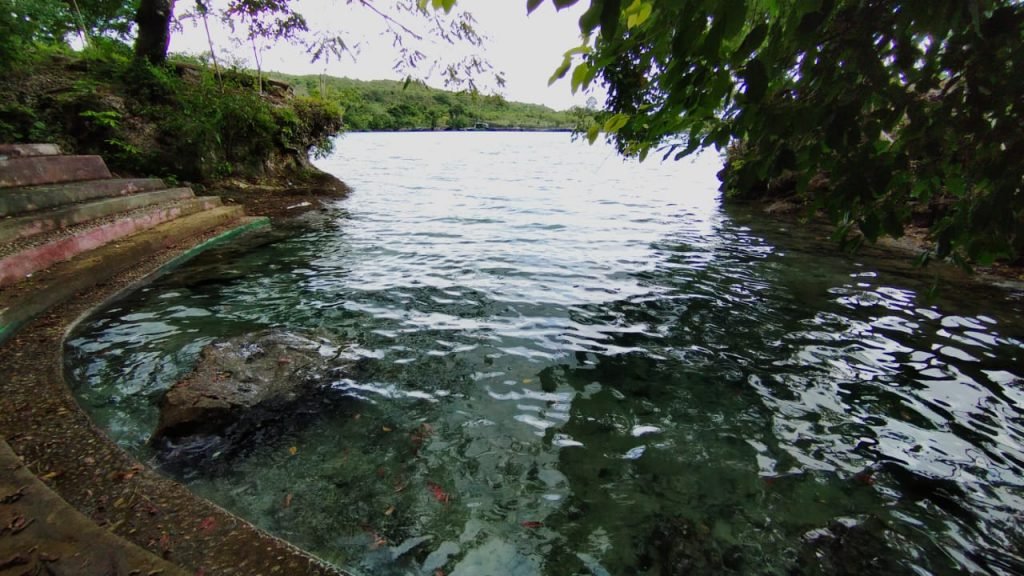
(154, 20)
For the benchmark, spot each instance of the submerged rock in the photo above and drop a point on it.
(679, 546)
(848, 548)
(241, 386)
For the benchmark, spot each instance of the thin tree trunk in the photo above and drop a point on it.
(154, 20)
(259, 70)
(213, 53)
(81, 23)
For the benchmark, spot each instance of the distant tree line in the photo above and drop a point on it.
(387, 105)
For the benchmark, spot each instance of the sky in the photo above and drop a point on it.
(525, 48)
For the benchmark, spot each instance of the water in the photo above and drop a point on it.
(576, 365)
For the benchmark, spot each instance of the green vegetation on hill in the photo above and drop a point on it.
(390, 105)
(178, 120)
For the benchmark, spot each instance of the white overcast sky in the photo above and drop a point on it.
(527, 48)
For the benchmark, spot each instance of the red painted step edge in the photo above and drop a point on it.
(19, 265)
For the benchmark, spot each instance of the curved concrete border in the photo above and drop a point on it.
(53, 439)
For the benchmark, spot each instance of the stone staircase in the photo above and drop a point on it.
(66, 225)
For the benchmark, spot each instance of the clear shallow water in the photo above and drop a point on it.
(575, 365)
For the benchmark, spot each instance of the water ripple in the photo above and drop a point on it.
(585, 353)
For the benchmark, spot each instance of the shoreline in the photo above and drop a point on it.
(126, 516)
(54, 439)
(786, 211)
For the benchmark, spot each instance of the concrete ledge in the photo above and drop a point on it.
(40, 222)
(26, 300)
(32, 170)
(53, 538)
(17, 266)
(23, 150)
(20, 200)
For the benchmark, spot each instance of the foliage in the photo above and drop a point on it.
(24, 22)
(171, 121)
(415, 27)
(104, 18)
(310, 125)
(265, 21)
(391, 105)
(889, 104)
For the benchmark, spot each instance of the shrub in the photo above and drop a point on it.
(319, 121)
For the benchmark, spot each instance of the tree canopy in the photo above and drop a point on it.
(874, 107)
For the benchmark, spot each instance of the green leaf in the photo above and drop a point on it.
(615, 123)
(753, 40)
(581, 49)
(755, 77)
(735, 14)
(610, 18)
(713, 39)
(560, 72)
(560, 4)
(591, 18)
(593, 132)
(580, 77)
(532, 5)
(637, 13)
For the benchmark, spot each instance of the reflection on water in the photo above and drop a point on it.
(574, 365)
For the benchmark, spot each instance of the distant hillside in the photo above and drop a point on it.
(390, 105)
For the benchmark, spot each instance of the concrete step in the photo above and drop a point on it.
(20, 258)
(30, 198)
(23, 301)
(71, 542)
(22, 150)
(39, 222)
(33, 170)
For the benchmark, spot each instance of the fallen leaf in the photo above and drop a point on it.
(531, 524)
(439, 494)
(438, 572)
(288, 500)
(208, 524)
(385, 428)
(50, 475)
(16, 560)
(13, 496)
(293, 450)
(127, 474)
(389, 511)
(284, 360)
(527, 380)
(165, 541)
